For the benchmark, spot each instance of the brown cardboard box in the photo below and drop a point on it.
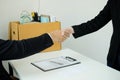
(19, 31)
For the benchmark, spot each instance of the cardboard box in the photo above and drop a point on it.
(19, 31)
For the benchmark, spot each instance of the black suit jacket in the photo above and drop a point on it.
(20, 49)
(110, 12)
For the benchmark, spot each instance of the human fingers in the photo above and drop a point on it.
(69, 30)
(56, 35)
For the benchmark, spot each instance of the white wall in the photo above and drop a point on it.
(10, 11)
(71, 12)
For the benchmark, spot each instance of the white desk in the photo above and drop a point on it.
(88, 69)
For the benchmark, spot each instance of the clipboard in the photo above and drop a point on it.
(55, 63)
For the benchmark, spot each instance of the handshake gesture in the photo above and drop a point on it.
(61, 35)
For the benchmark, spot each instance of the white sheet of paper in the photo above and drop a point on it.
(55, 63)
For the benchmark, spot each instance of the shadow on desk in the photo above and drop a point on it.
(11, 73)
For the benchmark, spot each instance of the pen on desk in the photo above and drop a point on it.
(56, 62)
(69, 58)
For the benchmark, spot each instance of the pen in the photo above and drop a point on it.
(70, 59)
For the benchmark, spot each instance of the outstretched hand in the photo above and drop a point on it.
(58, 35)
(68, 31)
(61, 35)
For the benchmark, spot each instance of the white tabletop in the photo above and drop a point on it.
(88, 69)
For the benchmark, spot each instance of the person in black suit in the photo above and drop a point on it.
(19, 49)
(110, 12)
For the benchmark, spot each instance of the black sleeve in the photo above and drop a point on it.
(20, 49)
(95, 24)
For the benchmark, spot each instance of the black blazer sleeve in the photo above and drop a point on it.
(20, 49)
(95, 24)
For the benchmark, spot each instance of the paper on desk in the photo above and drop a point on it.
(55, 63)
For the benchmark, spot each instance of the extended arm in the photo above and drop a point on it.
(23, 48)
(95, 24)
(19, 49)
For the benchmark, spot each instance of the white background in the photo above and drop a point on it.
(68, 12)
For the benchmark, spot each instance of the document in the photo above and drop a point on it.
(55, 63)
